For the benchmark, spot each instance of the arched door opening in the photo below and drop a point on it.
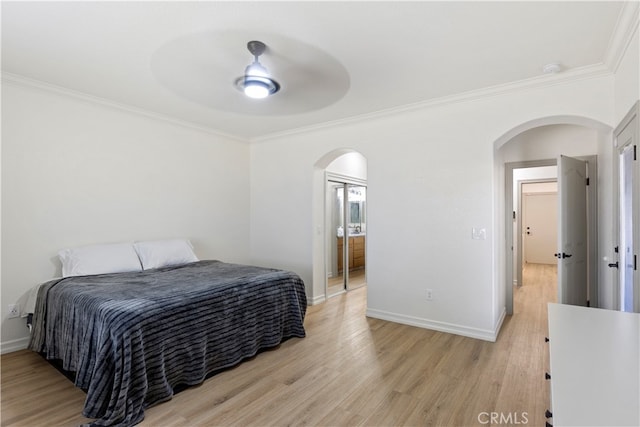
(341, 223)
(538, 144)
(346, 232)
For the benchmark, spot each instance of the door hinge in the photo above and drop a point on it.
(615, 249)
(635, 262)
(514, 214)
(635, 152)
(587, 181)
(588, 303)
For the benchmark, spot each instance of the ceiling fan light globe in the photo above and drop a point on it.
(256, 90)
(257, 87)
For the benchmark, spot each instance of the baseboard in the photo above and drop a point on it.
(465, 331)
(317, 299)
(498, 326)
(14, 345)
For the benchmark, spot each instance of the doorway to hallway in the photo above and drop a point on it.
(516, 231)
(537, 238)
(535, 234)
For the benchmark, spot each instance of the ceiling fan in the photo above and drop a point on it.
(256, 82)
(203, 67)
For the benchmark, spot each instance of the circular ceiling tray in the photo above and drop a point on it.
(202, 67)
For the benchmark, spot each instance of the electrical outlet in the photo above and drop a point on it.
(14, 310)
(429, 294)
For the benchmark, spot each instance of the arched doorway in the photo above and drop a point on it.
(539, 143)
(340, 206)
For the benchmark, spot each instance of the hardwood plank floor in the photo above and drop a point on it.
(357, 278)
(349, 371)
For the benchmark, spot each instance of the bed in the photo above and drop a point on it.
(130, 338)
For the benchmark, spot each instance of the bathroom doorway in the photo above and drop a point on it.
(346, 218)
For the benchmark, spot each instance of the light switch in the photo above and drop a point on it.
(479, 233)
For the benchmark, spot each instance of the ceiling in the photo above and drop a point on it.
(335, 61)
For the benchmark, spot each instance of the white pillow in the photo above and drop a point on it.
(165, 253)
(99, 259)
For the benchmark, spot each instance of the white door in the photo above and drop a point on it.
(572, 232)
(540, 227)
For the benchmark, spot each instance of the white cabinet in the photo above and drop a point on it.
(594, 366)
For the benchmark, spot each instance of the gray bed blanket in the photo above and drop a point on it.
(131, 338)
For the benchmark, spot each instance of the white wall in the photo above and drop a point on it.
(531, 174)
(76, 172)
(548, 142)
(627, 78)
(445, 155)
(353, 165)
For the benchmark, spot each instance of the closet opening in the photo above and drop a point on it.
(346, 234)
(341, 237)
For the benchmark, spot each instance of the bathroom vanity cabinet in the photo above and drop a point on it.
(356, 252)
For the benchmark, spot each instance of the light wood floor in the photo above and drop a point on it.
(357, 278)
(348, 371)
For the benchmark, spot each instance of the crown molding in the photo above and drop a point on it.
(19, 80)
(623, 34)
(566, 77)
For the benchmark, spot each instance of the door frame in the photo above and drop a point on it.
(634, 113)
(592, 215)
